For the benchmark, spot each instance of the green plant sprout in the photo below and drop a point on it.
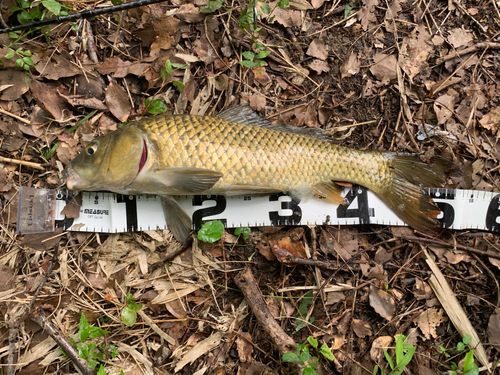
(129, 312)
(304, 358)
(211, 231)
(212, 6)
(23, 60)
(166, 71)
(404, 355)
(156, 106)
(302, 313)
(242, 231)
(89, 350)
(469, 367)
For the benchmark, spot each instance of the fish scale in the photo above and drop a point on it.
(234, 153)
(277, 159)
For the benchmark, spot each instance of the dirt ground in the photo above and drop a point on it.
(419, 77)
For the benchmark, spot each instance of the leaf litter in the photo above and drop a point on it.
(395, 78)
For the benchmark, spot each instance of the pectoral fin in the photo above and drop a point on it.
(191, 180)
(178, 221)
(330, 191)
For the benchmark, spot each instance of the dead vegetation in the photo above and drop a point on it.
(401, 76)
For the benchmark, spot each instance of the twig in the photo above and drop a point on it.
(454, 246)
(172, 255)
(91, 47)
(474, 48)
(27, 122)
(292, 260)
(39, 317)
(14, 327)
(248, 285)
(463, 10)
(22, 162)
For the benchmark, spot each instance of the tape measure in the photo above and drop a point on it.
(40, 210)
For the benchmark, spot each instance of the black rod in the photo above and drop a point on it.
(81, 15)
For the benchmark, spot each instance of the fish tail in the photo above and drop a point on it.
(402, 190)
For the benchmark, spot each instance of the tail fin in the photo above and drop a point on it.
(403, 193)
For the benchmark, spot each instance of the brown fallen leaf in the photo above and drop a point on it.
(491, 120)
(414, 51)
(429, 320)
(6, 278)
(118, 102)
(367, 14)
(244, 347)
(189, 13)
(382, 303)
(318, 49)
(460, 37)
(422, 290)
(351, 66)
(257, 102)
(361, 328)
(443, 107)
(72, 208)
(384, 68)
(49, 99)
(78, 101)
(300, 4)
(16, 82)
(378, 346)
(319, 66)
(494, 329)
(286, 247)
(111, 65)
(57, 66)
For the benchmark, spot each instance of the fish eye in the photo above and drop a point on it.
(91, 148)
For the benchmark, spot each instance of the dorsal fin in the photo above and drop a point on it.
(243, 114)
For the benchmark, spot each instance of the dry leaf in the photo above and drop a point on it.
(443, 106)
(361, 328)
(318, 49)
(415, 50)
(384, 68)
(367, 14)
(257, 102)
(351, 66)
(16, 82)
(58, 66)
(460, 37)
(491, 120)
(300, 4)
(189, 13)
(380, 343)
(49, 99)
(429, 320)
(422, 290)
(494, 329)
(244, 347)
(117, 101)
(382, 303)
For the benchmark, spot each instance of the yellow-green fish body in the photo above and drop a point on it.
(183, 154)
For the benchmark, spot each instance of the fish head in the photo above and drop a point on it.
(110, 162)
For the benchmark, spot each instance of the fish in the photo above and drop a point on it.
(238, 152)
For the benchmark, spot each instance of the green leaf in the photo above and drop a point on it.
(13, 35)
(83, 350)
(180, 66)
(168, 66)
(157, 106)
(83, 328)
(116, 2)
(212, 6)
(113, 350)
(309, 371)
(407, 358)
(265, 8)
(263, 54)
(211, 231)
(284, 4)
(388, 359)
(243, 231)
(121, 372)
(249, 55)
(92, 363)
(10, 54)
(375, 370)
(247, 64)
(129, 316)
(312, 341)
(347, 11)
(178, 85)
(460, 346)
(19, 63)
(327, 352)
(260, 63)
(467, 339)
(26, 53)
(131, 303)
(95, 332)
(52, 5)
(101, 370)
(469, 360)
(28, 61)
(291, 357)
(399, 348)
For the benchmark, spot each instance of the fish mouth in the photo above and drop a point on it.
(73, 180)
(144, 156)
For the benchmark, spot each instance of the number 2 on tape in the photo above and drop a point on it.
(198, 215)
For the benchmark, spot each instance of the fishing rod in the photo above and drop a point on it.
(81, 15)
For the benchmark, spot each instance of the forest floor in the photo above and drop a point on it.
(407, 77)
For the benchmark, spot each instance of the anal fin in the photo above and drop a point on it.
(178, 221)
